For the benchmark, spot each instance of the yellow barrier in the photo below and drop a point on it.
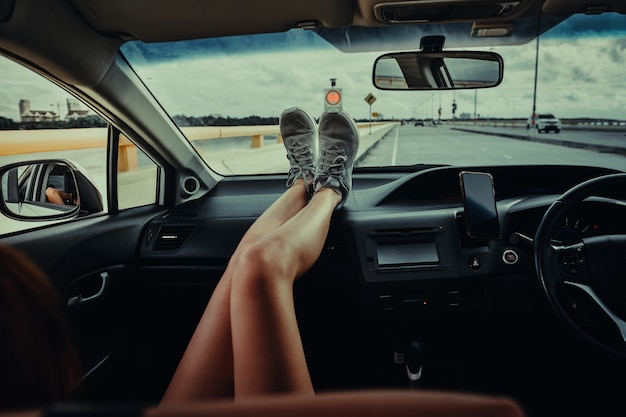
(15, 142)
(256, 133)
(126, 155)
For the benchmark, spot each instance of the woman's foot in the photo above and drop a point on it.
(338, 143)
(299, 133)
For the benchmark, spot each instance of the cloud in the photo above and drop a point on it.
(581, 74)
(242, 76)
(616, 51)
(18, 83)
(264, 84)
(588, 26)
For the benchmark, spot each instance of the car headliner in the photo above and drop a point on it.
(88, 33)
(165, 20)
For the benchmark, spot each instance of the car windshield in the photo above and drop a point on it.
(226, 95)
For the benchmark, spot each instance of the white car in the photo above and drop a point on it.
(544, 122)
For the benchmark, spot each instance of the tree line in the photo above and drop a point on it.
(82, 122)
(180, 119)
(187, 121)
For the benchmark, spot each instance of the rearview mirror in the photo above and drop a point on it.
(447, 70)
(47, 189)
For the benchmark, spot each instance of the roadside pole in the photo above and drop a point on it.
(370, 99)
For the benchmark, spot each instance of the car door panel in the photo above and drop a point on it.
(92, 263)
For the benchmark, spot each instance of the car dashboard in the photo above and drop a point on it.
(397, 265)
(402, 240)
(396, 228)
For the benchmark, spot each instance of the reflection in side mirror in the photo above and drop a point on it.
(437, 70)
(47, 189)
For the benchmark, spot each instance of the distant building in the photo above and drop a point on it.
(29, 115)
(75, 110)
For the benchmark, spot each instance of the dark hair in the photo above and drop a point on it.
(38, 362)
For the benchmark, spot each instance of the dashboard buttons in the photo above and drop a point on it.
(510, 257)
(453, 298)
(386, 303)
(573, 262)
(474, 263)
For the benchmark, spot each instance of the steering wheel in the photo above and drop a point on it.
(585, 281)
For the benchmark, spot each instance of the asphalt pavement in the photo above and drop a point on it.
(602, 141)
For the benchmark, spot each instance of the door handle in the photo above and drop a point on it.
(80, 299)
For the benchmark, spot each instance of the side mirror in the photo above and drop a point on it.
(47, 189)
(448, 70)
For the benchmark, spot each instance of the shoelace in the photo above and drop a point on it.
(332, 166)
(301, 159)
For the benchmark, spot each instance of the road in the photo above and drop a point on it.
(407, 145)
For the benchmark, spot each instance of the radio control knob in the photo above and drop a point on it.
(510, 257)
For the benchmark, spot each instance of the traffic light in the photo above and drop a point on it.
(333, 98)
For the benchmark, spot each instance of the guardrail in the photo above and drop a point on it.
(17, 142)
(570, 124)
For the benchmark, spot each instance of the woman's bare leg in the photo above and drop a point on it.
(206, 369)
(267, 348)
(261, 331)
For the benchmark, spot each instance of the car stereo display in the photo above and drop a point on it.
(407, 254)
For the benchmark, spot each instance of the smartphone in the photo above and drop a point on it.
(479, 202)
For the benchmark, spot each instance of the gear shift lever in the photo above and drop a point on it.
(413, 360)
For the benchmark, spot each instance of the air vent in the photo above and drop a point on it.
(172, 237)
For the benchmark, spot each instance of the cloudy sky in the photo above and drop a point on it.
(577, 78)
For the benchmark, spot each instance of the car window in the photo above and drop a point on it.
(227, 94)
(41, 121)
(137, 176)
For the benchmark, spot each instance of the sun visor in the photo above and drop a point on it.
(407, 37)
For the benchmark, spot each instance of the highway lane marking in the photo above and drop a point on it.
(394, 154)
(508, 157)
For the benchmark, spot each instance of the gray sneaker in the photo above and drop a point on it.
(299, 130)
(338, 142)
